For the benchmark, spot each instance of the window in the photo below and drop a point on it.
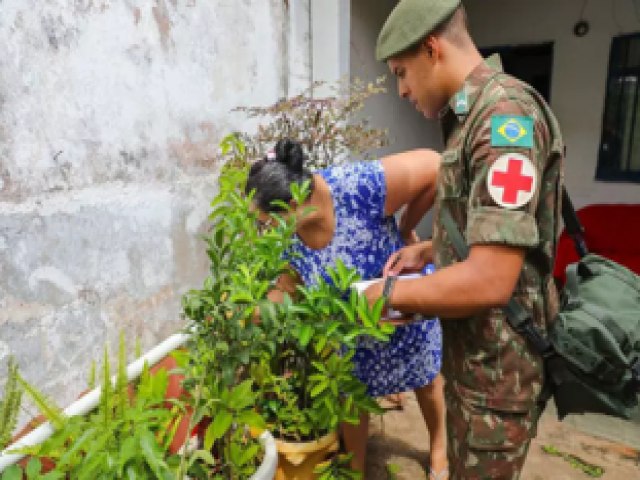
(530, 63)
(619, 155)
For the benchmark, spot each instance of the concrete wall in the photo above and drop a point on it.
(579, 73)
(110, 117)
(407, 128)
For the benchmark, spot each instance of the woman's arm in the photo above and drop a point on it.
(411, 180)
(285, 283)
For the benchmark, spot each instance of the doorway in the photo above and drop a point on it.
(530, 63)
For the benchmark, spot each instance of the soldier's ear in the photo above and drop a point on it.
(426, 47)
(431, 46)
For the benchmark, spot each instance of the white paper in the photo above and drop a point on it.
(364, 284)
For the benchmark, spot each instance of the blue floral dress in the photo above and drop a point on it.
(363, 239)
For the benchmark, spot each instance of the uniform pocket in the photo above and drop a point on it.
(498, 430)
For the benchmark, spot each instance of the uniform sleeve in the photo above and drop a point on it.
(507, 153)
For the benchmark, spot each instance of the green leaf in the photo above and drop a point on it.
(77, 446)
(12, 473)
(49, 409)
(33, 468)
(322, 341)
(248, 454)
(217, 428)
(376, 313)
(131, 473)
(241, 297)
(153, 454)
(53, 475)
(252, 419)
(241, 396)
(306, 332)
(202, 455)
(318, 389)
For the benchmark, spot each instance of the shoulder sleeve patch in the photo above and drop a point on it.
(511, 131)
(512, 181)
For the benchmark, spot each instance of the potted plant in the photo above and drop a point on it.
(295, 362)
(137, 431)
(127, 436)
(307, 385)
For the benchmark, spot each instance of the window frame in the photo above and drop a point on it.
(608, 168)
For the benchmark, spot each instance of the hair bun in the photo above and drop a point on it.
(290, 154)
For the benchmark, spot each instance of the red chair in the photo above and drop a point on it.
(610, 230)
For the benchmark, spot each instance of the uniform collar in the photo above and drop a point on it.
(463, 100)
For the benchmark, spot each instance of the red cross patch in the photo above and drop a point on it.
(512, 180)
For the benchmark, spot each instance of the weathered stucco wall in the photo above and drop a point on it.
(110, 116)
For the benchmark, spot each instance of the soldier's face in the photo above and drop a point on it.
(418, 76)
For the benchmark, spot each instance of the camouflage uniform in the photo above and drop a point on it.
(493, 376)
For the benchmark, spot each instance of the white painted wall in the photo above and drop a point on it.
(579, 73)
(110, 116)
(330, 41)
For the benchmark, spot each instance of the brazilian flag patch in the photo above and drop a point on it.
(511, 131)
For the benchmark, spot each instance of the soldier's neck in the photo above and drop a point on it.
(463, 62)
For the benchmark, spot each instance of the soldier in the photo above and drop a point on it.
(500, 180)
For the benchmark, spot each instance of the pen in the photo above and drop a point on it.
(395, 262)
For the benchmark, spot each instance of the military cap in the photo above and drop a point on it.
(410, 22)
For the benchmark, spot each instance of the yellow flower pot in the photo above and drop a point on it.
(297, 460)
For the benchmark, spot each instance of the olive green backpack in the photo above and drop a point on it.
(592, 349)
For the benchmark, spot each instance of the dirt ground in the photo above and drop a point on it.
(400, 438)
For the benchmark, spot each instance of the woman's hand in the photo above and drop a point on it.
(412, 258)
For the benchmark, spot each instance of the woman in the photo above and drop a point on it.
(352, 220)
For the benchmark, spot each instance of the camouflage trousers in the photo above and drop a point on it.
(485, 443)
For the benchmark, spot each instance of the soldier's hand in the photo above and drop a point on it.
(373, 293)
(411, 238)
(409, 259)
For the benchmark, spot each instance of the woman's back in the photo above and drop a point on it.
(363, 237)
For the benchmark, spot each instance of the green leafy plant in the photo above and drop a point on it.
(307, 382)
(291, 360)
(30, 472)
(337, 468)
(328, 127)
(10, 404)
(128, 436)
(225, 341)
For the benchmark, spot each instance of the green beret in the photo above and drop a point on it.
(410, 22)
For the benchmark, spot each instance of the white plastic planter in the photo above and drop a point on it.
(88, 402)
(267, 471)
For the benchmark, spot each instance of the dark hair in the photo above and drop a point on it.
(271, 178)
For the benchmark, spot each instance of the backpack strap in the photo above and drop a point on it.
(517, 317)
(572, 224)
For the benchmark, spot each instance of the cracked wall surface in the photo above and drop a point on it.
(110, 116)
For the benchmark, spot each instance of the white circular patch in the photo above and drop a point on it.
(512, 180)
